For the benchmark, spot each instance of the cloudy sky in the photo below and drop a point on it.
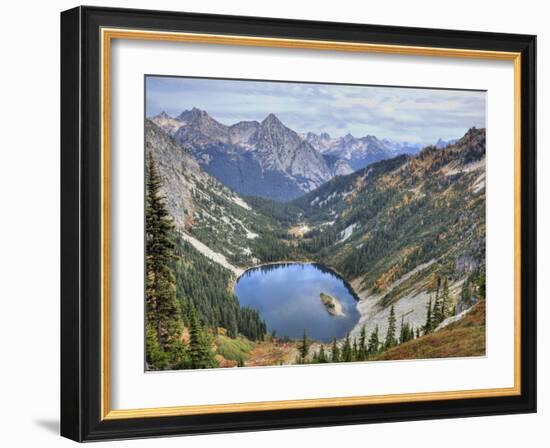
(401, 114)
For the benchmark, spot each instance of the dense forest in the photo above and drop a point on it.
(185, 293)
(204, 285)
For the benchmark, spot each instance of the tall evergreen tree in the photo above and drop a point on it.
(437, 308)
(347, 354)
(428, 325)
(402, 329)
(406, 332)
(303, 349)
(374, 342)
(465, 292)
(481, 283)
(390, 335)
(445, 301)
(200, 343)
(362, 355)
(163, 318)
(439, 312)
(335, 353)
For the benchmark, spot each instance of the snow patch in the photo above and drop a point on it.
(453, 319)
(249, 235)
(212, 255)
(346, 233)
(327, 223)
(479, 183)
(239, 201)
(451, 170)
(326, 200)
(227, 220)
(345, 194)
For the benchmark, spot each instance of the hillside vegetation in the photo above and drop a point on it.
(463, 338)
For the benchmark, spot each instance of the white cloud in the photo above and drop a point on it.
(406, 114)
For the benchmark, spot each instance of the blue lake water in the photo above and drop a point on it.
(287, 296)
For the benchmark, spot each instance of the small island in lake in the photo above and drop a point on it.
(332, 304)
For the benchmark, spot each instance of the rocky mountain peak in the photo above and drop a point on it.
(244, 133)
(277, 139)
(192, 115)
(272, 121)
(166, 122)
(163, 114)
(200, 128)
(348, 137)
(311, 136)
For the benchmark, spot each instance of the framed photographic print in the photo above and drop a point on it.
(275, 224)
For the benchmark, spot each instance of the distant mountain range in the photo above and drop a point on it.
(264, 159)
(359, 152)
(270, 160)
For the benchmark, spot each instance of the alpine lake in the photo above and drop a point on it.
(297, 297)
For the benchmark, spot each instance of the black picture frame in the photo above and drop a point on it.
(81, 224)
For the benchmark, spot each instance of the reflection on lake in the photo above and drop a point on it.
(287, 296)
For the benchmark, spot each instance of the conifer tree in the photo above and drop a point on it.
(200, 353)
(428, 325)
(439, 312)
(374, 342)
(362, 355)
(156, 358)
(406, 332)
(163, 318)
(335, 354)
(390, 335)
(303, 349)
(402, 329)
(481, 283)
(355, 350)
(465, 292)
(443, 312)
(347, 355)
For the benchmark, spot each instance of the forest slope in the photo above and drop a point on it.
(460, 339)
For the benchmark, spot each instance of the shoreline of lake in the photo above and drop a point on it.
(273, 292)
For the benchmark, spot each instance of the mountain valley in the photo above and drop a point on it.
(401, 224)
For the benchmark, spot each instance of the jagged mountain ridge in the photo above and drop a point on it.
(359, 151)
(265, 158)
(444, 143)
(270, 160)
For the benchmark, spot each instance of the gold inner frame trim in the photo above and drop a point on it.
(107, 35)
